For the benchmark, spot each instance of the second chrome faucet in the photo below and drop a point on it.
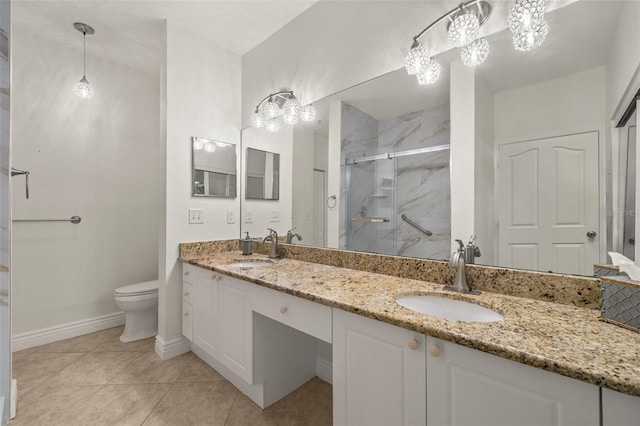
(273, 238)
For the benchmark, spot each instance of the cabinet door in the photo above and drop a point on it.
(378, 373)
(235, 345)
(619, 409)
(205, 308)
(469, 387)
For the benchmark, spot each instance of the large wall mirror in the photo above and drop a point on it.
(214, 168)
(384, 168)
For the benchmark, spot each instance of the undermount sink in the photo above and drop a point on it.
(450, 309)
(248, 263)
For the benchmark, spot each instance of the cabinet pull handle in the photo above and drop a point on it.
(216, 277)
(413, 344)
(186, 314)
(186, 274)
(434, 350)
(283, 309)
(186, 294)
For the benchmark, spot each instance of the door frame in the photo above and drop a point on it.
(602, 178)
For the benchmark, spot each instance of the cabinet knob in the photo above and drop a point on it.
(413, 344)
(186, 314)
(186, 274)
(215, 277)
(283, 309)
(434, 350)
(186, 294)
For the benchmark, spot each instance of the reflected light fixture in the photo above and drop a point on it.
(83, 88)
(527, 24)
(268, 111)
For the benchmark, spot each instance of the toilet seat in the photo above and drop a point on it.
(138, 289)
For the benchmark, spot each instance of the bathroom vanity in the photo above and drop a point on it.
(258, 326)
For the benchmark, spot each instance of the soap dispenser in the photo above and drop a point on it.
(247, 245)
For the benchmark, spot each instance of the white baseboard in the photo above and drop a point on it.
(172, 348)
(65, 331)
(324, 370)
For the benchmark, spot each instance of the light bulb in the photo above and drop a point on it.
(273, 124)
(307, 113)
(291, 109)
(431, 74)
(210, 147)
(258, 119)
(290, 117)
(416, 60)
(526, 14)
(84, 89)
(463, 30)
(271, 109)
(198, 144)
(475, 53)
(525, 41)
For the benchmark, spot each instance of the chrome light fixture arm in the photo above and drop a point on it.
(483, 12)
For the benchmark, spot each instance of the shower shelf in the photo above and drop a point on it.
(379, 195)
(370, 219)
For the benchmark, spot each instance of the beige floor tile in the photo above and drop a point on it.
(196, 370)
(245, 412)
(34, 368)
(122, 404)
(291, 410)
(320, 402)
(204, 403)
(85, 343)
(113, 344)
(148, 368)
(95, 368)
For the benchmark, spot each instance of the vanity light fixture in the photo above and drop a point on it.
(268, 111)
(83, 88)
(527, 24)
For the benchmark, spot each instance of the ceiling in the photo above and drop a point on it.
(129, 32)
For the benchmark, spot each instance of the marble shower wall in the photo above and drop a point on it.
(417, 186)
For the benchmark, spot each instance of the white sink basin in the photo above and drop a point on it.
(250, 264)
(450, 309)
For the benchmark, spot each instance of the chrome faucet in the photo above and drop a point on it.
(458, 261)
(273, 237)
(290, 235)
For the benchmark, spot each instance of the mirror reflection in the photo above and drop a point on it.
(520, 151)
(214, 168)
(262, 175)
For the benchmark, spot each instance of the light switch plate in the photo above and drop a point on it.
(231, 216)
(196, 216)
(275, 216)
(248, 216)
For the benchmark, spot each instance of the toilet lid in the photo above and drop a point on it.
(138, 288)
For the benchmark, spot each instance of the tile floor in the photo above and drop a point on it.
(96, 380)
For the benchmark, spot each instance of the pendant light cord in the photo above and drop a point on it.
(84, 53)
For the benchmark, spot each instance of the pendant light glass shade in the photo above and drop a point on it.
(198, 144)
(475, 53)
(431, 74)
(291, 109)
(271, 109)
(464, 29)
(83, 88)
(258, 119)
(532, 38)
(273, 124)
(417, 59)
(525, 14)
(210, 147)
(307, 113)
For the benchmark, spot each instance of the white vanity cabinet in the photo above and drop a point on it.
(469, 387)
(619, 409)
(187, 295)
(379, 373)
(205, 310)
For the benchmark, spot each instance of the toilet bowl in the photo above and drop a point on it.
(140, 305)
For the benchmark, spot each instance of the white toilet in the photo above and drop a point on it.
(140, 304)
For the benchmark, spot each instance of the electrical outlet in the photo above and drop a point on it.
(196, 216)
(231, 216)
(248, 216)
(275, 216)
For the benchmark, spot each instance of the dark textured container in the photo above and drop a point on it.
(621, 302)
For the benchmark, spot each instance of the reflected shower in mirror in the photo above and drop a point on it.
(263, 175)
(214, 168)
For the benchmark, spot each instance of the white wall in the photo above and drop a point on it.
(200, 87)
(94, 158)
(302, 196)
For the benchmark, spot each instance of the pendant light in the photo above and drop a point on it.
(83, 88)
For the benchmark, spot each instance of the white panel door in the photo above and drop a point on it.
(548, 204)
(467, 387)
(205, 311)
(378, 379)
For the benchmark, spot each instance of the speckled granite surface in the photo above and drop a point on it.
(564, 339)
(566, 289)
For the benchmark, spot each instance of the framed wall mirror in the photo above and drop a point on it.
(262, 175)
(214, 168)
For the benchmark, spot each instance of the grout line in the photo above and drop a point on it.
(235, 398)
(158, 403)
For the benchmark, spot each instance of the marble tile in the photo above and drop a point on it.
(85, 343)
(196, 370)
(245, 412)
(95, 368)
(113, 344)
(122, 404)
(148, 368)
(204, 403)
(33, 368)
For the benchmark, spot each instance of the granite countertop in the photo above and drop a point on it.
(563, 339)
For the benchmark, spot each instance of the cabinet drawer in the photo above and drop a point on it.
(187, 292)
(309, 317)
(188, 273)
(187, 322)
